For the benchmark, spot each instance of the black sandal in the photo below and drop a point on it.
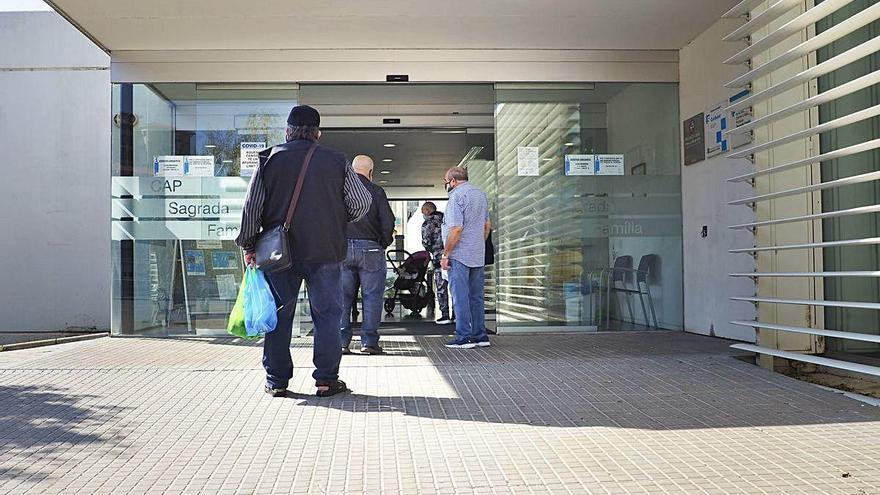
(326, 389)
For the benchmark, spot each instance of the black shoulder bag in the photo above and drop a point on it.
(271, 246)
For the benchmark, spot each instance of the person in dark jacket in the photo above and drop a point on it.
(332, 195)
(432, 241)
(365, 264)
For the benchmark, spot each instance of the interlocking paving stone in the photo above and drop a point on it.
(652, 413)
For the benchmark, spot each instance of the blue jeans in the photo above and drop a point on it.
(324, 281)
(364, 266)
(467, 285)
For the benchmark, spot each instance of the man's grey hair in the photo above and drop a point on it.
(457, 173)
(430, 206)
(308, 132)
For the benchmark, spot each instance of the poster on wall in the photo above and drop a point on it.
(168, 166)
(576, 165)
(249, 157)
(226, 287)
(224, 260)
(195, 261)
(527, 161)
(198, 166)
(694, 138)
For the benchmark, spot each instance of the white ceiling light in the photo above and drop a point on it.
(389, 145)
(385, 172)
(210, 146)
(387, 160)
(383, 182)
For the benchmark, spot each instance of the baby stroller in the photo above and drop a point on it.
(411, 286)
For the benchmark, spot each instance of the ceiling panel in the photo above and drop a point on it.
(512, 24)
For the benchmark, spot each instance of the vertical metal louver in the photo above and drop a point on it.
(768, 30)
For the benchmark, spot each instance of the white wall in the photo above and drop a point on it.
(55, 192)
(705, 193)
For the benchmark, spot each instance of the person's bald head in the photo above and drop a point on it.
(363, 165)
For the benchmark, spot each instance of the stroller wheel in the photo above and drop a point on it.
(389, 306)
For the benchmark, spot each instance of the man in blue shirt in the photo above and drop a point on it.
(465, 228)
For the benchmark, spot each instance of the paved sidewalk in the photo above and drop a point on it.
(595, 413)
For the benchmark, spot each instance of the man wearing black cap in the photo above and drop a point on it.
(331, 196)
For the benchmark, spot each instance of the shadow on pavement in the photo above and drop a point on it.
(45, 422)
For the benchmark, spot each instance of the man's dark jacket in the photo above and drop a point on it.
(317, 234)
(378, 224)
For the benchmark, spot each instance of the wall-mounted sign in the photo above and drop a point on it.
(250, 158)
(739, 118)
(527, 161)
(594, 165)
(716, 124)
(720, 121)
(694, 138)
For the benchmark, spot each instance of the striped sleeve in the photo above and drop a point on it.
(252, 212)
(357, 197)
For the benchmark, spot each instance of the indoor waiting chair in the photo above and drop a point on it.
(644, 275)
(617, 281)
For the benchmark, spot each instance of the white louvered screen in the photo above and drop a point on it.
(771, 29)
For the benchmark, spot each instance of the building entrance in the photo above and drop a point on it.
(583, 182)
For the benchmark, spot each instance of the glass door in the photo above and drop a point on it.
(588, 207)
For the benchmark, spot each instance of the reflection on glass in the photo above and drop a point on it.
(176, 269)
(559, 235)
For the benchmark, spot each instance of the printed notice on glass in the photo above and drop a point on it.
(226, 288)
(608, 165)
(168, 166)
(250, 158)
(527, 161)
(579, 165)
(198, 166)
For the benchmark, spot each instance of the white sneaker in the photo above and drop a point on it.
(443, 321)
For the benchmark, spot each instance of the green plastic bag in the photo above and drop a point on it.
(236, 318)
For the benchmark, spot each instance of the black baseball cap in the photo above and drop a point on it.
(304, 116)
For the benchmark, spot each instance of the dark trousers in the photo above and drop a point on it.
(325, 298)
(365, 267)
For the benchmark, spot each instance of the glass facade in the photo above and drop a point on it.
(581, 178)
(588, 178)
(181, 155)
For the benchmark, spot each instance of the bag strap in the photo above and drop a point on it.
(299, 185)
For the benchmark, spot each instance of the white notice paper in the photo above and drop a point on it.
(527, 160)
(608, 165)
(250, 158)
(199, 166)
(168, 166)
(579, 165)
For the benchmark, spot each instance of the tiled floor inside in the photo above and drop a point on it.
(607, 413)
